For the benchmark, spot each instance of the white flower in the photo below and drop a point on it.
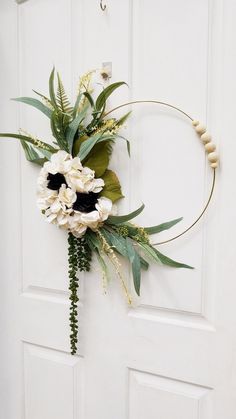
(96, 185)
(58, 205)
(42, 179)
(60, 163)
(81, 180)
(66, 196)
(90, 219)
(104, 207)
(45, 198)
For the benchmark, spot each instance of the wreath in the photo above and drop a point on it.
(76, 189)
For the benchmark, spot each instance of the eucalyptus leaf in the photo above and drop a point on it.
(38, 144)
(135, 263)
(35, 103)
(127, 143)
(115, 240)
(170, 262)
(102, 98)
(118, 219)
(76, 105)
(162, 227)
(32, 155)
(162, 259)
(89, 97)
(73, 127)
(58, 129)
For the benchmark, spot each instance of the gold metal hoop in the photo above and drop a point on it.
(134, 102)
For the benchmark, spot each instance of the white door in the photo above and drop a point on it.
(172, 355)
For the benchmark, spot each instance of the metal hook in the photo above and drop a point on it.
(103, 6)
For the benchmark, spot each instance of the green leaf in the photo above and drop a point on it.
(115, 219)
(115, 240)
(32, 155)
(35, 103)
(144, 263)
(170, 262)
(102, 98)
(135, 263)
(37, 143)
(73, 127)
(162, 227)
(87, 145)
(149, 251)
(51, 89)
(127, 143)
(99, 158)
(58, 127)
(76, 105)
(123, 119)
(89, 97)
(112, 188)
(45, 98)
(162, 259)
(62, 99)
(77, 144)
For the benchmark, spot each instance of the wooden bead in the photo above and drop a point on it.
(206, 138)
(209, 147)
(213, 157)
(200, 129)
(195, 122)
(214, 165)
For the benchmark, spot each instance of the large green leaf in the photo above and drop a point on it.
(36, 104)
(118, 219)
(104, 95)
(73, 127)
(112, 188)
(87, 145)
(37, 143)
(99, 157)
(135, 263)
(162, 227)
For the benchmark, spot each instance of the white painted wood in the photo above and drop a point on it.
(171, 355)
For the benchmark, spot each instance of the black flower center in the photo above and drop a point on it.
(85, 202)
(55, 181)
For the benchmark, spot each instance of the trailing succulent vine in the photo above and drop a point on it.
(77, 188)
(79, 258)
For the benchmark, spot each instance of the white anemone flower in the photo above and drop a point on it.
(60, 163)
(64, 185)
(66, 196)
